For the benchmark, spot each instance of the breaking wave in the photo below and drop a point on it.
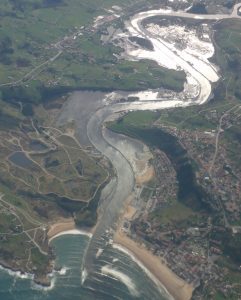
(159, 285)
(126, 280)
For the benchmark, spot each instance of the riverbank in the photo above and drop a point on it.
(178, 288)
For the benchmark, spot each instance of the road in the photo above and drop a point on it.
(33, 73)
(16, 211)
(30, 75)
(219, 131)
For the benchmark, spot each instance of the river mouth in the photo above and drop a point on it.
(116, 276)
(90, 110)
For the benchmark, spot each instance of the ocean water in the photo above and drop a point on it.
(114, 276)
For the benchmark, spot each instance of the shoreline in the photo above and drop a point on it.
(43, 282)
(16, 272)
(46, 282)
(75, 231)
(67, 227)
(177, 288)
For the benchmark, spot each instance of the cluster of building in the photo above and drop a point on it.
(192, 246)
(217, 172)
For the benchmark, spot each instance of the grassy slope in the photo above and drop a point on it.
(90, 65)
(20, 189)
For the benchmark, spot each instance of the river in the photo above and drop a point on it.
(112, 274)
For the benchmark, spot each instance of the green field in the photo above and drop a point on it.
(42, 185)
(31, 28)
(175, 213)
(66, 181)
(228, 55)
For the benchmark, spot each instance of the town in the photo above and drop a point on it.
(191, 241)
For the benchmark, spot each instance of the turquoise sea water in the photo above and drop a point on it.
(115, 276)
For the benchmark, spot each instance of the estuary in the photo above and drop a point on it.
(94, 267)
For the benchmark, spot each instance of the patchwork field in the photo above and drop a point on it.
(56, 44)
(45, 177)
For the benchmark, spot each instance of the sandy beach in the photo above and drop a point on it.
(60, 226)
(64, 227)
(178, 288)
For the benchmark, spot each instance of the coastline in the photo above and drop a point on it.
(43, 282)
(75, 231)
(46, 282)
(15, 272)
(60, 226)
(65, 228)
(175, 286)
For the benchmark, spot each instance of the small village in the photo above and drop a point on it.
(189, 242)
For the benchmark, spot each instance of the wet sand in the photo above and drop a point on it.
(178, 288)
